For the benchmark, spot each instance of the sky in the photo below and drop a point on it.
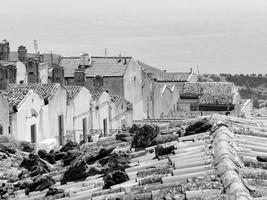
(213, 36)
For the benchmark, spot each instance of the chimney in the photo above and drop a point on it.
(22, 52)
(164, 70)
(3, 78)
(85, 60)
(58, 74)
(4, 50)
(79, 77)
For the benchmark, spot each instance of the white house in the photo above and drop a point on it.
(121, 113)
(4, 115)
(78, 114)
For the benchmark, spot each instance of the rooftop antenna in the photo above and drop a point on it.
(52, 62)
(198, 70)
(36, 46)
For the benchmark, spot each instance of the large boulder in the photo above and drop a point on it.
(200, 126)
(49, 157)
(144, 136)
(163, 150)
(40, 183)
(27, 146)
(70, 145)
(56, 193)
(70, 156)
(114, 178)
(79, 170)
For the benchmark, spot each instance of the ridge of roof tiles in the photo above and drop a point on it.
(217, 164)
(172, 76)
(72, 91)
(17, 92)
(115, 98)
(96, 93)
(101, 65)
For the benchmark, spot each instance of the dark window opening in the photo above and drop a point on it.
(33, 133)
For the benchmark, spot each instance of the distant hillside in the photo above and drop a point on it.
(250, 85)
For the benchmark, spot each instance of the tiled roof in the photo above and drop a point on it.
(14, 97)
(149, 68)
(207, 87)
(115, 98)
(72, 91)
(209, 92)
(44, 90)
(103, 66)
(96, 93)
(172, 77)
(223, 162)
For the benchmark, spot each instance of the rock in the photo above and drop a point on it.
(79, 170)
(48, 157)
(70, 145)
(163, 150)
(40, 183)
(54, 191)
(144, 136)
(262, 158)
(35, 165)
(114, 178)
(26, 146)
(92, 158)
(200, 126)
(60, 155)
(118, 161)
(71, 156)
(37, 170)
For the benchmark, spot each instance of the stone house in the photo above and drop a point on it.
(121, 113)
(25, 120)
(209, 97)
(4, 115)
(119, 75)
(39, 111)
(100, 114)
(78, 114)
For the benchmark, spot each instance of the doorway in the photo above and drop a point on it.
(105, 127)
(85, 129)
(61, 129)
(33, 133)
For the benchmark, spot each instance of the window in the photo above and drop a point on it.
(134, 78)
(33, 133)
(98, 81)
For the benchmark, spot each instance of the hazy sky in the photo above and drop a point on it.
(215, 35)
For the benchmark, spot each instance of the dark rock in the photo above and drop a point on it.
(26, 146)
(133, 129)
(163, 150)
(262, 158)
(70, 145)
(71, 156)
(114, 178)
(33, 163)
(48, 157)
(60, 155)
(55, 191)
(200, 126)
(92, 158)
(37, 170)
(145, 135)
(7, 149)
(79, 170)
(161, 139)
(40, 183)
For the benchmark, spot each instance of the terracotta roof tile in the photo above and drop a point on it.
(72, 91)
(103, 66)
(172, 77)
